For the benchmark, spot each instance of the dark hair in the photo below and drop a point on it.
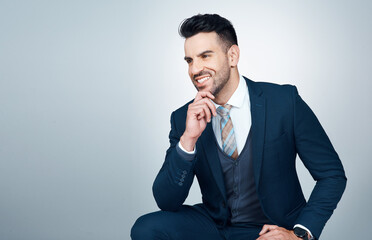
(209, 23)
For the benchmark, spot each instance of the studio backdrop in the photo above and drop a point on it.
(87, 89)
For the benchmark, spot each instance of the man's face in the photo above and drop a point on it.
(209, 67)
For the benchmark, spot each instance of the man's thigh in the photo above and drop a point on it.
(249, 232)
(185, 224)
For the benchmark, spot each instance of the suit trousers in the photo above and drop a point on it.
(188, 223)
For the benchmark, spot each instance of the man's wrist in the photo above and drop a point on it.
(188, 143)
(302, 233)
(309, 234)
(295, 235)
(179, 145)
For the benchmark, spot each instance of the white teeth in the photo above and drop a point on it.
(203, 79)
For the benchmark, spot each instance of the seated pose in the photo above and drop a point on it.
(240, 139)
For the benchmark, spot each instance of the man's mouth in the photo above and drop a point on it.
(203, 79)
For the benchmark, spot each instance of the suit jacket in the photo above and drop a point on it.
(282, 127)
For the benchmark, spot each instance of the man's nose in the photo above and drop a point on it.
(196, 67)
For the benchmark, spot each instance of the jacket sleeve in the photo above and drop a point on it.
(172, 184)
(320, 158)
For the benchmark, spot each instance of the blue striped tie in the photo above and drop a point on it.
(227, 132)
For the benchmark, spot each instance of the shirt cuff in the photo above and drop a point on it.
(192, 152)
(303, 227)
(188, 156)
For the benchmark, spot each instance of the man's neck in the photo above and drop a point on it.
(225, 94)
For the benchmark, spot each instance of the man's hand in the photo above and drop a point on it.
(199, 114)
(273, 232)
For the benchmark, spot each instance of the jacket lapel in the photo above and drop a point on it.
(257, 102)
(209, 143)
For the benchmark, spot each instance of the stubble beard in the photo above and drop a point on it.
(220, 80)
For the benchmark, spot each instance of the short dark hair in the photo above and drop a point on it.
(209, 23)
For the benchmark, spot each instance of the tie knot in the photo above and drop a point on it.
(224, 110)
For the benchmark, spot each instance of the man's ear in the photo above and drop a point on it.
(233, 55)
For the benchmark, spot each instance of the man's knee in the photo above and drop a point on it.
(147, 228)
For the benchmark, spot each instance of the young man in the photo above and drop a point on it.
(240, 139)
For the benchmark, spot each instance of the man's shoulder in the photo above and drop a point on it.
(181, 112)
(274, 93)
(270, 87)
(184, 107)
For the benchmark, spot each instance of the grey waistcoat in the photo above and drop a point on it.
(240, 186)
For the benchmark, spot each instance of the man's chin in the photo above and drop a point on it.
(201, 89)
(205, 90)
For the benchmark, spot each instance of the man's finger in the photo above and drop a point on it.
(271, 234)
(278, 233)
(208, 103)
(200, 113)
(267, 228)
(212, 107)
(201, 95)
(207, 111)
(198, 108)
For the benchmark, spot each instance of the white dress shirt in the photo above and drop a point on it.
(240, 115)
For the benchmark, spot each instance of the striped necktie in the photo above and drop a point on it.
(227, 131)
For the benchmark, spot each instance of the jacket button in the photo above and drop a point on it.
(223, 204)
(180, 183)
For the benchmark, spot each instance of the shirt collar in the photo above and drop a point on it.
(237, 99)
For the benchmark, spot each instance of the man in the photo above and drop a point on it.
(240, 139)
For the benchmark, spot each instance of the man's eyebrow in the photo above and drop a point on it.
(205, 52)
(202, 53)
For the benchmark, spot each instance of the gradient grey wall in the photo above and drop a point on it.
(87, 88)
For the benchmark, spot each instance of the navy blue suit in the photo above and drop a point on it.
(282, 127)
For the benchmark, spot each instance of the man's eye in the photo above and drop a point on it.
(205, 56)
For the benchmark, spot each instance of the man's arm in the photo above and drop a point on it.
(173, 182)
(320, 158)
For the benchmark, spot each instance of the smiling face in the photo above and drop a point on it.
(209, 65)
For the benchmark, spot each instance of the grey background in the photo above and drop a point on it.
(87, 88)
